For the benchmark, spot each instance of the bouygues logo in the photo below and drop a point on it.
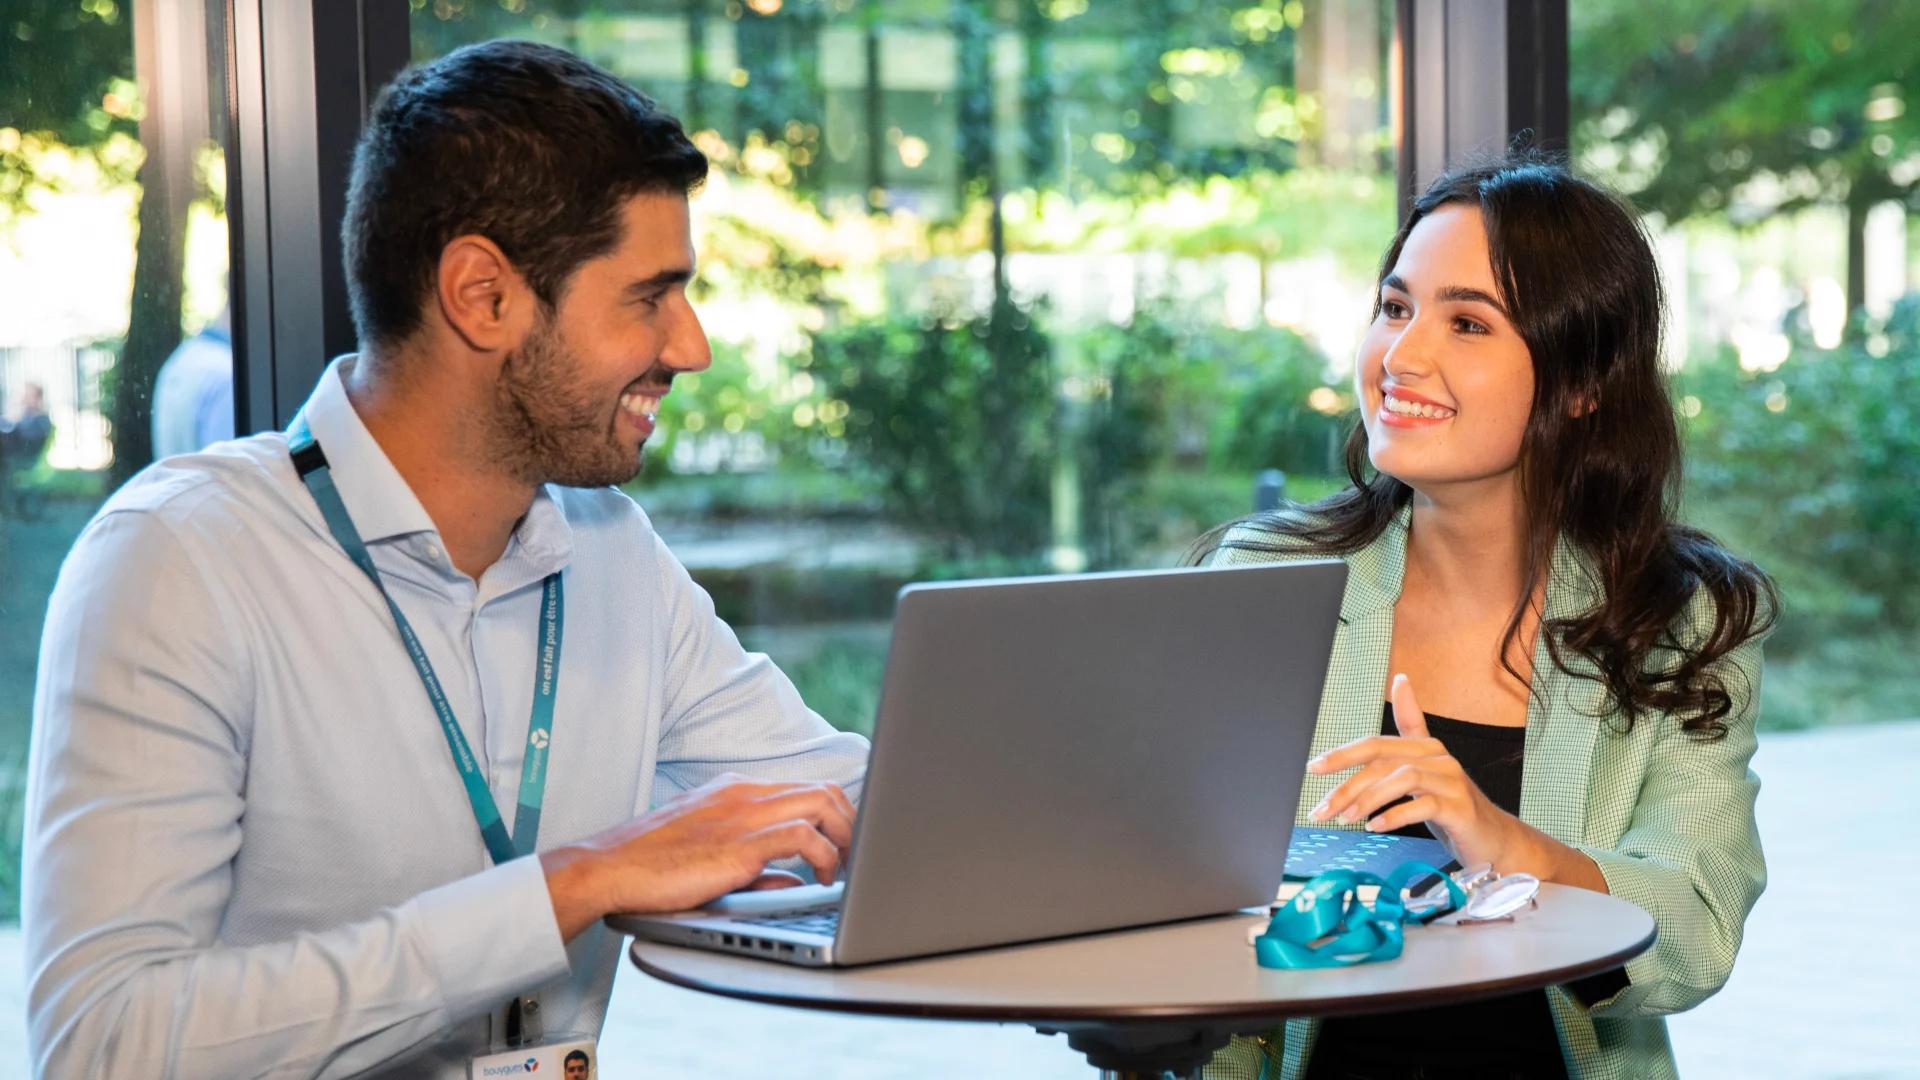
(527, 1066)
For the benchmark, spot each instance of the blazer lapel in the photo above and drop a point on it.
(1350, 708)
(1564, 713)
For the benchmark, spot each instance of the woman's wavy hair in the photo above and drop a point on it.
(1600, 460)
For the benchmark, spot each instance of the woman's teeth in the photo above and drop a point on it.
(1401, 407)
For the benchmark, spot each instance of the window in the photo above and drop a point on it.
(1777, 149)
(994, 287)
(113, 254)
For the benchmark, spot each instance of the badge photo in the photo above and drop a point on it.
(566, 1058)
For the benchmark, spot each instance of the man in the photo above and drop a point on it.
(576, 1065)
(193, 397)
(22, 440)
(298, 695)
(27, 435)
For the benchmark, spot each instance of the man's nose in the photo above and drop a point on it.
(687, 348)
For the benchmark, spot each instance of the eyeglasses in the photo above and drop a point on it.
(1491, 897)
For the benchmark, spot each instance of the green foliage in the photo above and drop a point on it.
(1270, 424)
(841, 682)
(1118, 418)
(952, 417)
(980, 453)
(789, 493)
(732, 403)
(1168, 392)
(1717, 92)
(66, 77)
(1812, 469)
(1856, 677)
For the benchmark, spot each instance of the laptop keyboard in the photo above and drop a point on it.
(821, 920)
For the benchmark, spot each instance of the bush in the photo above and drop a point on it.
(1814, 470)
(1203, 401)
(1270, 424)
(743, 418)
(974, 441)
(953, 417)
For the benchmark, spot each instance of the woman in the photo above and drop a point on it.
(1570, 677)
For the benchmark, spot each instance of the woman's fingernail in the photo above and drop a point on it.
(1374, 825)
(1319, 813)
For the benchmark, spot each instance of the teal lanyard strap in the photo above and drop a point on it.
(1326, 925)
(311, 463)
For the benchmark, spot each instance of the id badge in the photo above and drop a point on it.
(562, 1057)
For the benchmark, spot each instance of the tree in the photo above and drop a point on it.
(84, 73)
(65, 69)
(1752, 107)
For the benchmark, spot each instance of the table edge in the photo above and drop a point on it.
(1239, 1010)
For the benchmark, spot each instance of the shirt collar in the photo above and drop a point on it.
(376, 496)
(384, 507)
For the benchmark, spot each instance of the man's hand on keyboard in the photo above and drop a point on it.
(706, 842)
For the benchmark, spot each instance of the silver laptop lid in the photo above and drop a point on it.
(1069, 754)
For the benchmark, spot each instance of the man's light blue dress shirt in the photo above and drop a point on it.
(247, 850)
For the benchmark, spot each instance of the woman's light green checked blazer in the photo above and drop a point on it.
(1669, 821)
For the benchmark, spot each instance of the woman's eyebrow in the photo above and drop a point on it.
(1471, 295)
(1450, 293)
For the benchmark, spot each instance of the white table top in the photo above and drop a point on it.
(1202, 970)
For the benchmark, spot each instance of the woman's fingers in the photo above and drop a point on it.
(1373, 748)
(1412, 812)
(1402, 781)
(1338, 801)
(1407, 717)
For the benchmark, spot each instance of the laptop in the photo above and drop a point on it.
(1062, 755)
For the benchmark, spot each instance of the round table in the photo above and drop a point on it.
(1162, 999)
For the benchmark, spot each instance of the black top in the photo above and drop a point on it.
(1489, 1039)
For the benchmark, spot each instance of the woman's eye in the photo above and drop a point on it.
(1393, 309)
(1468, 326)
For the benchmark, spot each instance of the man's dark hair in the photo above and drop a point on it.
(581, 1054)
(525, 144)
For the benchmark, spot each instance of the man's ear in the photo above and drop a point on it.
(481, 296)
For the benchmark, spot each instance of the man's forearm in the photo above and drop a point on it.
(572, 883)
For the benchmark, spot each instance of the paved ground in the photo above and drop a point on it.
(1821, 990)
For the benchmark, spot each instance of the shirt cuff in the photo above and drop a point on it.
(490, 936)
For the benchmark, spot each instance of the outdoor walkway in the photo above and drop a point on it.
(1822, 987)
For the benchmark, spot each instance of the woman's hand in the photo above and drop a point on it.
(1417, 766)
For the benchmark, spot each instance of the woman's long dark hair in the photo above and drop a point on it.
(1600, 459)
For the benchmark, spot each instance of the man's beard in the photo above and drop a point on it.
(549, 424)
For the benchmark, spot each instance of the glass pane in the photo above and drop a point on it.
(113, 253)
(1777, 149)
(994, 286)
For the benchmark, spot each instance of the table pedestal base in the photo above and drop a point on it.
(1144, 1051)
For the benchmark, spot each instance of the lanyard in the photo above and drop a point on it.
(311, 464)
(1326, 925)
